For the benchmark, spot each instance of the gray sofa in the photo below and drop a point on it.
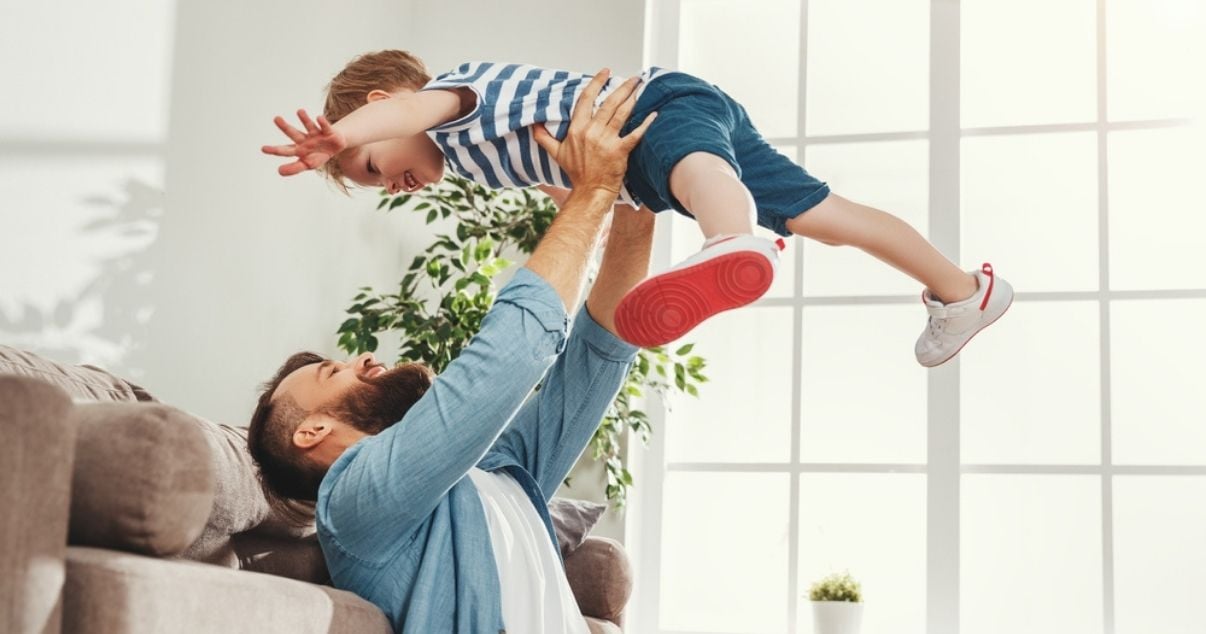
(124, 515)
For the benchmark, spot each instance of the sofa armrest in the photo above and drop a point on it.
(37, 451)
(601, 577)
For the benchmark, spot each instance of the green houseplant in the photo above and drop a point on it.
(837, 604)
(459, 269)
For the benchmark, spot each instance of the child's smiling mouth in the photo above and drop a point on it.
(412, 183)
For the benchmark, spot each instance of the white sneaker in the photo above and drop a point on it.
(952, 325)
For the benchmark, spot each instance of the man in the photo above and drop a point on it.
(441, 519)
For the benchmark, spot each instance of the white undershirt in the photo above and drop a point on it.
(536, 596)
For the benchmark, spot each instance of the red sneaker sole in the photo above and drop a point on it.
(668, 306)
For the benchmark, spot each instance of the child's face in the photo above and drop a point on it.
(399, 165)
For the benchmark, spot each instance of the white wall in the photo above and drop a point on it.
(250, 267)
(578, 35)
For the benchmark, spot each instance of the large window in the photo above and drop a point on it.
(1052, 479)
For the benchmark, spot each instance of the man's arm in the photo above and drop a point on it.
(554, 426)
(392, 481)
(563, 254)
(625, 263)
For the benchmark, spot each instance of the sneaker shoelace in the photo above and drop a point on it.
(937, 326)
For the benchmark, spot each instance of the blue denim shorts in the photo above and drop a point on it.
(695, 116)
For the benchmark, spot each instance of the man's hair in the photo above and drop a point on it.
(284, 470)
(387, 70)
(371, 407)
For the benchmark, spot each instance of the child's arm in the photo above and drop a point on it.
(399, 116)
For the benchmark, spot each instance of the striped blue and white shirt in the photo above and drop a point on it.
(493, 144)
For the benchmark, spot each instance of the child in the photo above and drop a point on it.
(388, 124)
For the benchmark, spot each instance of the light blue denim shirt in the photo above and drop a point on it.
(401, 525)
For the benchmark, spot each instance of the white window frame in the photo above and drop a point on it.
(943, 463)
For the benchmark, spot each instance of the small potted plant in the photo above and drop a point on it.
(837, 604)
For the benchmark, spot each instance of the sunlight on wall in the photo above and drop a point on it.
(81, 174)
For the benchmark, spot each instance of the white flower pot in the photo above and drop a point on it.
(836, 617)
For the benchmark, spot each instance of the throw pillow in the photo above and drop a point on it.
(142, 480)
(573, 521)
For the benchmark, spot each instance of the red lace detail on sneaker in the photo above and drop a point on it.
(986, 269)
(781, 244)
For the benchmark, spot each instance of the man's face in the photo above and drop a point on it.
(318, 385)
(360, 395)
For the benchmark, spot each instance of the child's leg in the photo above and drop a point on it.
(960, 304)
(725, 274)
(709, 188)
(839, 221)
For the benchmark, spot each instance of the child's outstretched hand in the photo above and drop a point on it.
(319, 144)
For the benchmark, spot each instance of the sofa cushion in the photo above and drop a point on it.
(142, 481)
(601, 577)
(292, 557)
(239, 504)
(83, 383)
(573, 521)
(109, 592)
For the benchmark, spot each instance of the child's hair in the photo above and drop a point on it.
(386, 70)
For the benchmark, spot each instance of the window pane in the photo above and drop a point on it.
(1153, 49)
(1157, 209)
(724, 552)
(1159, 561)
(73, 254)
(743, 413)
(1028, 62)
(891, 176)
(862, 56)
(1056, 369)
(686, 239)
(863, 394)
(1158, 359)
(1030, 554)
(842, 520)
(102, 73)
(1029, 206)
(723, 40)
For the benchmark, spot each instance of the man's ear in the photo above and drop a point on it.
(312, 431)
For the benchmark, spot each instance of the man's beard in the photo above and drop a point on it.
(377, 403)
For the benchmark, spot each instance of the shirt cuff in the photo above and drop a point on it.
(529, 291)
(600, 339)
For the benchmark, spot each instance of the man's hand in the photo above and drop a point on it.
(312, 149)
(595, 157)
(593, 153)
